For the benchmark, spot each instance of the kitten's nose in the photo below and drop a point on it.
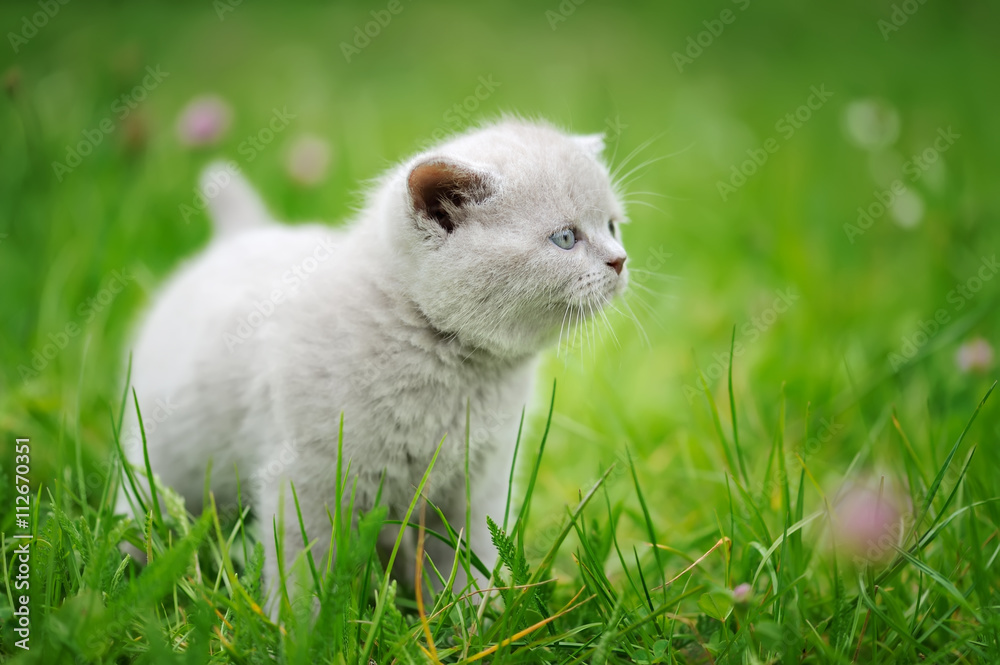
(618, 263)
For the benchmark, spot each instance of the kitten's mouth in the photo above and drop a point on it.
(620, 284)
(589, 303)
(597, 292)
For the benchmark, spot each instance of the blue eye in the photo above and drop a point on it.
(564, 239)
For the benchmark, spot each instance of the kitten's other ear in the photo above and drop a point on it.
(591, 143)
(441, 191)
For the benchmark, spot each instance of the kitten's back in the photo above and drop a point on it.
(197, 352)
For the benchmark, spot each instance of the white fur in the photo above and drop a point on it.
(394, 322)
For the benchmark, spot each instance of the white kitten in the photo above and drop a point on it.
(464, 264)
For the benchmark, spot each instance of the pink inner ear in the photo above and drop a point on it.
(427, 179)
(439, 190)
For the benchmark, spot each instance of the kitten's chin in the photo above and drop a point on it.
(516, 343)
(527, 335)
(599, 295)
(591, 304)
(522, 346)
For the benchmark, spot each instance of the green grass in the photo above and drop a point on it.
(668, 476)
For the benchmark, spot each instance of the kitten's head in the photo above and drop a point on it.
(511, 231)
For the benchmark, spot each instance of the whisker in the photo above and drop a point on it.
(622, 183)
(645, 193)
(647, 204)
(614, 153)
(593, 332)
(583, 332)
(655, 273)
(561, 325)
(611, 329)
(638, 326)
(649, 309)
(644, 288)
(635, 152)
(576, 328)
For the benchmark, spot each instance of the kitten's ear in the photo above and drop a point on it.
(441, 190)
(591, 143)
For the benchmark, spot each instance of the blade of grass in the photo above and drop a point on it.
(732, 411)
(650, 531)
(430, 651)
(941, 580)
(468, 498)
(149, 468)
(522, 516)
(126, 468)
(934, 529)
(513, 465)
(936, 484)
(530, 629)
(305, 540)
(723, 442)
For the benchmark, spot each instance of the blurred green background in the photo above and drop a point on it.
(690, 87)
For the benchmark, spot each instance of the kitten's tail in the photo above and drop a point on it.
(233, 204)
